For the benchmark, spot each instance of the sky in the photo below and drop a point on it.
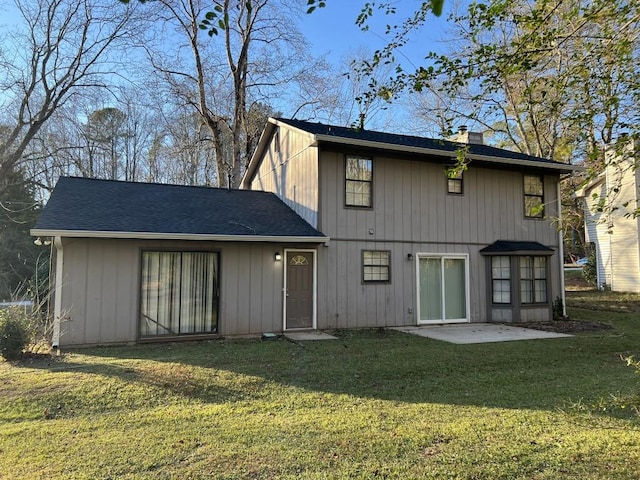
(332, 30)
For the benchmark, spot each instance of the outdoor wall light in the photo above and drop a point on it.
(409, 256)
(278, 256)
(38, 241)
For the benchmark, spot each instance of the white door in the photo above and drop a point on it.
(442, 288)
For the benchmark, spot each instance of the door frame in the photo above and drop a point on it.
(463, 256)
(314, 288)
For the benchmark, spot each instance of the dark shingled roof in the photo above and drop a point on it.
(82, 204)
(409, 141)
(509, 246)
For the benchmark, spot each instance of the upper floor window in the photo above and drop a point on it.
(533, 196)
(454, 183)
(358, 181)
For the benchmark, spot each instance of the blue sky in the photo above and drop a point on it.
(333, 29)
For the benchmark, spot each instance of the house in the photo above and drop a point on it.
(334, 228)
(610, 200)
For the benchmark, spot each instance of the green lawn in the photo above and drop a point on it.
(373, 404)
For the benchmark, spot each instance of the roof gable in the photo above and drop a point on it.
(90, 207)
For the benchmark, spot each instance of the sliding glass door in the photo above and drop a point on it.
(442, 288)
(179, 293)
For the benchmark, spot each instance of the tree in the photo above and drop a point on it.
(18, 254)
(239, 68)
(65, 48)
(552, 78)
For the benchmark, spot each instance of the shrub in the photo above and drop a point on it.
(558, 309)
(590, 270)
(14, 334)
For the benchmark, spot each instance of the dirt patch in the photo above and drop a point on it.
(567, 326)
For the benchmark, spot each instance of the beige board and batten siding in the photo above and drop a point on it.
(289, 169)
(410, 203)
(412, 213)
(349, 303)
(101, 288)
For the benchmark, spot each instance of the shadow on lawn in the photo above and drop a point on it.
(385, 365)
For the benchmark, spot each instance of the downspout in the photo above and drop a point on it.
(561, 250)
(57, 308)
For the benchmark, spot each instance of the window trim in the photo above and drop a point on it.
(532, 281)
(364, 266)
(539, 215)
(515, 263)
(501, 279)
(346, 180)
(177, 335)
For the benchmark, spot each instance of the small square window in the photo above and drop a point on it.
(376, 266)
(454, 183)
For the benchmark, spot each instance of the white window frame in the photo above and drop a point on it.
(443, 256)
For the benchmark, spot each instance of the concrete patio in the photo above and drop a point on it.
(477, 333)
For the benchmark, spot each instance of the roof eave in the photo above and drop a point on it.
(44, 232)
(560, 167)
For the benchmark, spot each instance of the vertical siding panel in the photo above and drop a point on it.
(229, 290)
(109, 267)
(255, 297)
(424, 199)
(93, 324)
(266, 311)
(74, 284)
(415, 203)
(244, 290)
(127, 292)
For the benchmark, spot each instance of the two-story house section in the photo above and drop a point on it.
(611, 201)
(410, 244)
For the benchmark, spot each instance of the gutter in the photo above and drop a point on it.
(563, 295)
(57, 308)
(38, 232)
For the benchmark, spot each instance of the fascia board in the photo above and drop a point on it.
(41, 232)
(562, 167)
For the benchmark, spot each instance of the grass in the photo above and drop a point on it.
(373, 404)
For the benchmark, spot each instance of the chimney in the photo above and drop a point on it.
(465, 136)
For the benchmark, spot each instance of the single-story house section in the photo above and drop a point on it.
(141, 262)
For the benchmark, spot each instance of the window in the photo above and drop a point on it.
(501, 279)
(179, 293)
(358, 181)
(375, 266)
(442, 288)
(530, 277)
(533, 280)
(454, 183)
(533, 196)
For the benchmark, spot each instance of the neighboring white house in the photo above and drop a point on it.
(610, 224)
